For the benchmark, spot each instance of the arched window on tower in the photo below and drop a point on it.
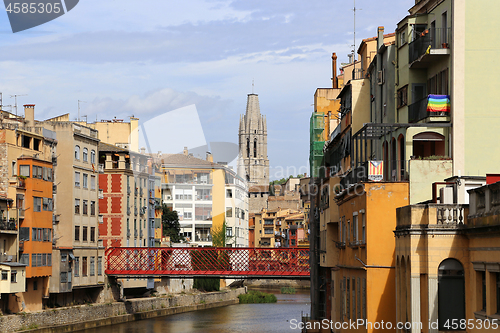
(248, 147)
(255, 148)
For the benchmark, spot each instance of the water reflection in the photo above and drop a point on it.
(234, 318)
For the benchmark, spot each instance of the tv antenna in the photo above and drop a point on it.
(15, 97)
(78, 119)
(354, 46)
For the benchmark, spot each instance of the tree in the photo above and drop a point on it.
(219, 235)
(170, 223)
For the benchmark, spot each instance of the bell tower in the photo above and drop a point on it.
(253, 164)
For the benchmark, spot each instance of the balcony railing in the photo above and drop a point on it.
(451, 215)
(436, 38)
(203, 238)
(419, 111)
(8, 225)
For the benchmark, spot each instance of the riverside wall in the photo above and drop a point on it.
(81, 317)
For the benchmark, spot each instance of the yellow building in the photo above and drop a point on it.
(117, 132)
(448, 263)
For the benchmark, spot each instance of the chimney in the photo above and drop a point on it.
(210, 157)
(334, 71)
(185, 152)
(29, 114)
(143, 150)
(380, 37)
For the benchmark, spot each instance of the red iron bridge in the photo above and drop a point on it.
(223, 262)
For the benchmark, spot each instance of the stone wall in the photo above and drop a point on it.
(69, 319)
(4, 173)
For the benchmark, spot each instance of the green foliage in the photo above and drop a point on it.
(171, 226)
(219, 235)
(283, 180)
(206, 284)
(254, 296)
(288, 290)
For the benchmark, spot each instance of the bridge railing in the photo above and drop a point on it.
(207, 261)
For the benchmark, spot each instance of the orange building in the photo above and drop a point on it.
(35, 232)
(251, 230)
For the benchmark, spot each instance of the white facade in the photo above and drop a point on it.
(236, 210)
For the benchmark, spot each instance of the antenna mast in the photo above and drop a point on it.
(15, 97)
(78, 119)
(354, 46)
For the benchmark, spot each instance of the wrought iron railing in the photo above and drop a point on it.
(434, 38)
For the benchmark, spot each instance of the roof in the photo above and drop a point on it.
(107, 147)
(13, 264)
(181, 159)
(258, 188)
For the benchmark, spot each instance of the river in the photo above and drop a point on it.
(255, 318)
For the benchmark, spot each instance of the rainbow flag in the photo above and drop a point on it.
(438, 103)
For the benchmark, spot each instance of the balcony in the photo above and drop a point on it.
(429, 46)
(425, 109)
(8, 258)
(203, 238)
(8, 226)
(436, 216)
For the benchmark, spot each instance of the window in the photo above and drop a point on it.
(92, 156)
(85, 155)
(355, 227)
(77, 179)
(64, 277)
(24, 234)
(483, 290)
(84, 234)
(92, 266)
(4, 275)
(229, 232)
(99, 266)
(451, 292)
(402, 38)
(84, 266)
(25, 259)
(37, 204)
(85, 207)
(47, 204)
(92, 182)
(498, 292)
(363, 227)
(64, 257)
(77, 233)
(49, 259)
(92, 234)
(92, 208)
(229, 211)
(229, 193)
(77, 266)
(403, 96)
(33, 260)
(13, 276)
(77, 152)
(37, 172)
(24, 170)
(85, 180)
(14, 168)
(77, 206)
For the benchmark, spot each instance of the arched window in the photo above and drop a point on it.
(428, 144)
(92, 156)
(85, 155)
(255, 148)
(77, 152)
(451, 292)
(248, 147)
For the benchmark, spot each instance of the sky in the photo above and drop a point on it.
(146, 58)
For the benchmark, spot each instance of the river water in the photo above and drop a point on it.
(255, 318)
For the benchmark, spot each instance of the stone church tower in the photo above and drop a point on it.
(253, 164)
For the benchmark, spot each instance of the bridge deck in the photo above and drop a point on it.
(268, 263)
